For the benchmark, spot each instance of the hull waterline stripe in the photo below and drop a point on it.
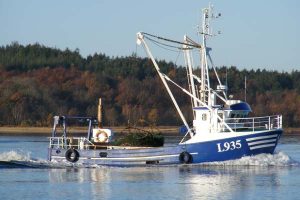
(128, 158)
(137, 158)
(261, 142)
(262, 137)
(262, 146)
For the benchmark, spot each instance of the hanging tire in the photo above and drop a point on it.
(185, 158)
(72, 155)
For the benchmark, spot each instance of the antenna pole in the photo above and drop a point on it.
(245, 88)
(100, 114)
(226, 80)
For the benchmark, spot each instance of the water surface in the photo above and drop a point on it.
(259, 177)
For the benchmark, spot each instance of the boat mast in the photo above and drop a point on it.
(205, 85)
(189, 63)
(140, 40)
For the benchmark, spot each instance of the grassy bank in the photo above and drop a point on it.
(291, 131)
(6, 130)
(166, 130)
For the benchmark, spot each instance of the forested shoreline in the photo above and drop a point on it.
(38, 82)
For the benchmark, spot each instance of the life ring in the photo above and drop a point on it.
(185, 157)
(72, 155)
(101, 136)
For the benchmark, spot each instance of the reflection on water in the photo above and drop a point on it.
(258, 177)
(205, 182)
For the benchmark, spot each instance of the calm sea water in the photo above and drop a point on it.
(260, 177)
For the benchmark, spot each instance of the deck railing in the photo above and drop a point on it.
(70, 142)
(255, 123)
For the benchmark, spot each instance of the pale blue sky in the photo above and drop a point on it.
(255, 34)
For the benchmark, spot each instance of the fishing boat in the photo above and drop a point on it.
(221, 128)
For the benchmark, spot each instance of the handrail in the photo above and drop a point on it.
(70, 142)
(255, 123)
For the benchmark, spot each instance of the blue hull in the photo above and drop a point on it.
(249, 145)
(210, 151)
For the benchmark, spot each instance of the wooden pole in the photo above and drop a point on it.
(100, 117)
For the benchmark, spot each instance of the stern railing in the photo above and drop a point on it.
(70, 142)
(255, 123)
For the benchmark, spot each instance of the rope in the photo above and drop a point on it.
(173, 41)
(160, 45)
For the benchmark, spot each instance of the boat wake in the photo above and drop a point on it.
(279, 159)
(18, 159)
(15, 159)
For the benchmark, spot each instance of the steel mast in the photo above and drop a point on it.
(205, 84)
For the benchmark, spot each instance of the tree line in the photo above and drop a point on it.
(38, 82)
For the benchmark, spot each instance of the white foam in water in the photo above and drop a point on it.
(23, 159)
(14, 155)
(276, 159)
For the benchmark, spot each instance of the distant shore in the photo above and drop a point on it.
(291, 131)
(166, 130)
(7, 130)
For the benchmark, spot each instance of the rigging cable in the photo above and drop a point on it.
(160, 44)
(195, 45)
(191, 45)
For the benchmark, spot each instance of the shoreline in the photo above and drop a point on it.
(46, 131)
(165, 130)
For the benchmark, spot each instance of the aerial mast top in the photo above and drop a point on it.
(207, 16)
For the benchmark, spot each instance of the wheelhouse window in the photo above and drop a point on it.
(204, 117)
(220, 115)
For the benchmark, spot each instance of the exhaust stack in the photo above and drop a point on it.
(100, 114)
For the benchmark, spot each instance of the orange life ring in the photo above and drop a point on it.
(101, 136)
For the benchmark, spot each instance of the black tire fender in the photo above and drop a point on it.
(72, 155)
(185, 157)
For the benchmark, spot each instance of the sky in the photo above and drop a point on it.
(254, 34)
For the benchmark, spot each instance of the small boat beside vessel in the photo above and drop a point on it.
(221, 128)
